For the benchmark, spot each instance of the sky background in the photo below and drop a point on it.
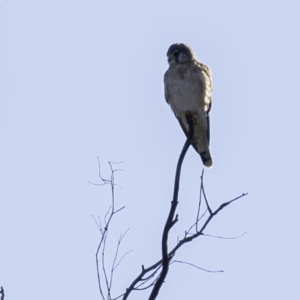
(85, 79)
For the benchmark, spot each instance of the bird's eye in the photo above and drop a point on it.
(176, 53)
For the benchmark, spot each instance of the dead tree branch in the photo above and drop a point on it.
(2, 293)
(154, 276)
(162, 266)
(171, 220)
(104, 231)
(193, 265)
(155, 267)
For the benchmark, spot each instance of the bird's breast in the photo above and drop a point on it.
(185, 89)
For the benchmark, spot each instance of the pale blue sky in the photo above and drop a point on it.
(81, 79)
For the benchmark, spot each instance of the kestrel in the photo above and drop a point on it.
(188, 90)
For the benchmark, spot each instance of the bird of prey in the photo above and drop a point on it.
(188, 90)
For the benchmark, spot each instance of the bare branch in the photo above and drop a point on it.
(155, 275)
(99, 184)
(203, 191)
(188, 239)
(196, 223)
(106, 181)
(170, 220)
(167, 256)
(140, 278)
(117, 210)
(98, 270)
(123, 256)
(103, 265)
(115, 258)
(117, 297)
(107, 213)
(199, 202)
(108, 279)
(145, 280)
(146, 287)
(155, 267)
(190, 264)
(2, 293)
(97, 222)
(224, 238)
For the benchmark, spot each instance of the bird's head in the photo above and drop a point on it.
(179, 53)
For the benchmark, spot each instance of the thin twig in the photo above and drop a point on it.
(98, 224)
(117, 210)
(99, 184)
(146, 287)
(203, 191)
(123, 256)
(196, 223)
(224, 238)
(107, 213)
(118, 297)
(199, 202)
(115, 258)
(202, 269)
(103, 265)
(106, 181)
(200, 232)
(98, 270)
(104, 233)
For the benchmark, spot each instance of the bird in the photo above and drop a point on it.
(188, 90)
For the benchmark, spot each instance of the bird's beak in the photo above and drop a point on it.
(170, 58)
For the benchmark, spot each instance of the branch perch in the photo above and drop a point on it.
(2, 293)
(154, 276)
(170, 220)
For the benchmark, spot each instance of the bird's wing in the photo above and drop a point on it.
(167, 94)
(208, 97)
(209, 86)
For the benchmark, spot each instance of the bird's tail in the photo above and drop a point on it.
(206, 158)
